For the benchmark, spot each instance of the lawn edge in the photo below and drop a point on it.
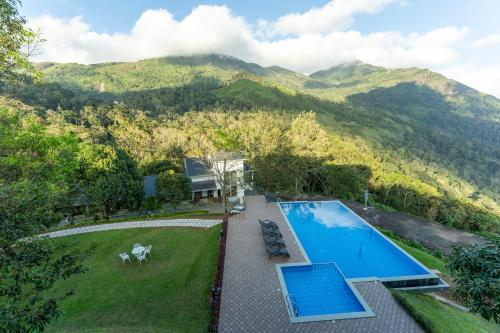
(215, 300)
(424, 323)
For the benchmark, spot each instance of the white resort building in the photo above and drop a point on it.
(206, 178)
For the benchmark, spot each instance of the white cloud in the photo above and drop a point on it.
(493, 39)
(209, 29)
(310, 52)
(335, 15)
(483, 79)
(215, 29)
(156, 33)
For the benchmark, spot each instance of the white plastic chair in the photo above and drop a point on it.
(147, 250)
(141, 257)
(124, 257)
(137, 245)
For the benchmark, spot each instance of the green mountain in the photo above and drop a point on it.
(415, 122)
(162, 73)
(436, 119)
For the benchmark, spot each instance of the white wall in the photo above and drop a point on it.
(236, 165)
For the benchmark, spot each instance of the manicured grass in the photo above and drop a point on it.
(168, 293)
(426, 258)
(419, 252)
(436, 317)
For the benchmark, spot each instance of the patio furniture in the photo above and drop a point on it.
(270, 238)
(124, 257)
(267, 222)
(137, 245)
(270, 229)
(147, 250)
(273, 239)
(137, 251)
(141, 257)
(276, 249)
(237, 209)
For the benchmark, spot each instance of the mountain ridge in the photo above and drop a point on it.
(217, 59)
(409, 115)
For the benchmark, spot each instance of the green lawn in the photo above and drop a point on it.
(420, 253)
(169, 293)
(424, 256)
(437, 317)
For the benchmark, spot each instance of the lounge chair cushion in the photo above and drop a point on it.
(276, 249)
(270, 238)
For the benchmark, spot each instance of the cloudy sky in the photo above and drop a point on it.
(458, 38)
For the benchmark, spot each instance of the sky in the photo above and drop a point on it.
(457, 38)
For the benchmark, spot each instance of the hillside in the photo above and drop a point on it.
(163, 72)
(412, 122)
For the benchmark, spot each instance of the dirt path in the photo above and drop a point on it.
(432, 235)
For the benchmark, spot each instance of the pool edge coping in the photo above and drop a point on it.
(350, 281)
(345, 315)
(431, 275)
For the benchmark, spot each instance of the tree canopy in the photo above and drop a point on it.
(17, 41)
(172, 187)
(109, 178)
(35, 168)
(476, 272)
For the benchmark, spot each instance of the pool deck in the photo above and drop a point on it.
(252, 300)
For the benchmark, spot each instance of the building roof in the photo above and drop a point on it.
(150, 185)
(195, 167)
(203, 186)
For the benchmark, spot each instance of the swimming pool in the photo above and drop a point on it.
(340, 248)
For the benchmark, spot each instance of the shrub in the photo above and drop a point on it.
(476, 271)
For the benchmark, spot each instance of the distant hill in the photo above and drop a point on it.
(428, 126)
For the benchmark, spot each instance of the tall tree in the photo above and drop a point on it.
(17, 41)
(109, 177)
(34, 171)
(172, 187)
(282, 171)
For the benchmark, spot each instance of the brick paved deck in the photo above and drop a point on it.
(196, 223)
(252, 300)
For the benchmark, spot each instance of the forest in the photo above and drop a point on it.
(419, 142)
(292, 153)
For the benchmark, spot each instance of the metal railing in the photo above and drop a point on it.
(292, 305)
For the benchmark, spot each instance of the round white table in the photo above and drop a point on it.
(138, 250)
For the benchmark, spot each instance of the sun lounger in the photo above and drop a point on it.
(276, 249)
(270, 230)
(273, 239)
(267, 222)
(276, 238)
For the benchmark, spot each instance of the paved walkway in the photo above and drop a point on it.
(252, 300)
(432, 235)
(196, 223)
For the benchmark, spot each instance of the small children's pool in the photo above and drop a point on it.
(340, 248)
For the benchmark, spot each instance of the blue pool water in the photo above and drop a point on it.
(340, 245)
(325, 286)
(330, 232)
